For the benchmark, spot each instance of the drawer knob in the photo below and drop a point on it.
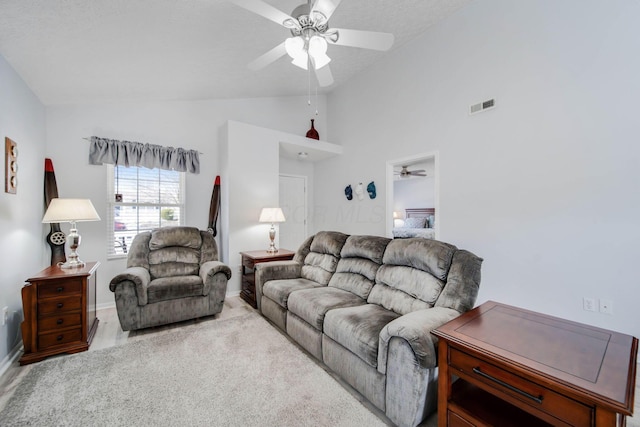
(59, 337)
(537, 399)
(60, 289)
(59, 322)
(60, 305)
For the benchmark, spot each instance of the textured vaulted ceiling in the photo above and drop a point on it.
(82, 51)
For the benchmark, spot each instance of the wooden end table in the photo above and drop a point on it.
(518, 367)
(59, 312)
(249, 260)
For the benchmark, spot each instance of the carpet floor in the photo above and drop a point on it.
(225, 372)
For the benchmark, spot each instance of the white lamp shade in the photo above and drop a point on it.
(271, 215)
(68, 210)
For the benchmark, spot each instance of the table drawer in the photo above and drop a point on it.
(59, 305)
(58, 338)
(52, 323)
(54, 289)
(534, 395)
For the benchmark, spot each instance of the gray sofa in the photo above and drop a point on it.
(365, 306)
(172, 274)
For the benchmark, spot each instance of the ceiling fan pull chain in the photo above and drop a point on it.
(308, 83)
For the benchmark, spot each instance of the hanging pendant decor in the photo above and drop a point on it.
(313, 133)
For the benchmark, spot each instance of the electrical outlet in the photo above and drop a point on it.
(589, 304)
(5, 315)
(606, 306)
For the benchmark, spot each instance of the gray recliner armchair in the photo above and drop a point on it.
(173, 274)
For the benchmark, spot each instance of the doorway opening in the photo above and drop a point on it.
(425, 188)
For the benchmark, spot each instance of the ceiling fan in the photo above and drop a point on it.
(310, 35)
(406, 173)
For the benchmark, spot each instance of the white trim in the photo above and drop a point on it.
(10, 358)
(435, 155)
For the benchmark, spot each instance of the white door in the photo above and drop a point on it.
(293, 201)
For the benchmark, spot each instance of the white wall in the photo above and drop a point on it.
(22, 118)
(545, 186)
(197, 125)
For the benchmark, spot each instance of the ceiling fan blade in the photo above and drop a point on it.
(265, 10)
(326, 7)
(364, 39)
(269, 57)
(324, 76)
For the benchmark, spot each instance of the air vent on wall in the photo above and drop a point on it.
(482, 106)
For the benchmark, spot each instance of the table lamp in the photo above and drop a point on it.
(72, 211)
(272, 215)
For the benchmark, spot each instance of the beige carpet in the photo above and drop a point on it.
(225, 372)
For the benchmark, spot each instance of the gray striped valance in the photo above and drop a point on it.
(150, 156)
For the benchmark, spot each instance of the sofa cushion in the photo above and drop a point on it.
(358, 329)
(428, 255)
(311, 305)
(360, 259)
(175, 236)
(321, 260)
(328, 242)
(167, 288)
(174, 261)
(404, 289)
(279, 290)
(413, 274)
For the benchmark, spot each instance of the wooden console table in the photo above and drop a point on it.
(518, 367)
(249, 260)
(59, 312)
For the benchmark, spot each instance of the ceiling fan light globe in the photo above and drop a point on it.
(317, 46)
(301, 61)
(320, 61)
(294, 47)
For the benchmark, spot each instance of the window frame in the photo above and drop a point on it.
(111, 205)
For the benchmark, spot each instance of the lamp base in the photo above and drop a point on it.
(73, 261)
(272, 235)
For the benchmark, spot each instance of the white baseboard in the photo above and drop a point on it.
(10, 358)
(105, 305)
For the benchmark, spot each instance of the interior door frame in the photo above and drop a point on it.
(306, 199)
(416, 158)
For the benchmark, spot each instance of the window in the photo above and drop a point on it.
(141, 199)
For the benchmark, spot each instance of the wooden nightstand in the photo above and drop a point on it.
(518, 367)
(59, 312)
(249, 260)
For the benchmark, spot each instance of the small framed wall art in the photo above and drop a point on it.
(10, 166)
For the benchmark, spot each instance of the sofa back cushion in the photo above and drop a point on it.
(322, 259)
(174, 251)
(413, 274)
(359, 262)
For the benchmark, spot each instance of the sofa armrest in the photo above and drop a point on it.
(210, 269)
(138, 277)
(415, 328)
(273, 270)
